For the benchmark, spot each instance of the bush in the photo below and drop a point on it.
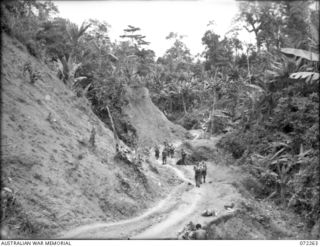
(33, 48)
(111, 93)
(304, 189)
(232, 144)
(217, 125)
(22, 19)
(295, 127)
(16, 220)
(190, 121)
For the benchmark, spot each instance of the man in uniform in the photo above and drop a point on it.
(164, 156)
(197, 174)
(200, 234)
(171, 150)
(157, 152)
(165, 144)
(203, 168)
(183, 156)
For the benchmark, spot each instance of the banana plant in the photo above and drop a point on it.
(308, 55)
(67, 69)
(309, 76)
(309, 73)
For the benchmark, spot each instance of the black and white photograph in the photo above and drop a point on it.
(159, 120)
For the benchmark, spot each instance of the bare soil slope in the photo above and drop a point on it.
(59, 180)
(151, 124)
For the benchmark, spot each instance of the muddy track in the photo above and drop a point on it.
(164, 221)
(114, 230)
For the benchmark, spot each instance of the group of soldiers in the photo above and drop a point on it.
(200, 169)
(200, 173)
(168, 151)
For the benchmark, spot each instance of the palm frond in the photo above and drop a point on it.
(311, 56)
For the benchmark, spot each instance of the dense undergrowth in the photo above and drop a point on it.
(282, 152)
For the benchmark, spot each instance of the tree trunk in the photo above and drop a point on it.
(256, 31)
(282, 184)
(184, 105)
(100, 62)
(112, 125)
(212, 113)
(234, 108)
(65, 69)
(211, 118)
(248, 63)
(283, 192)
(258, 43)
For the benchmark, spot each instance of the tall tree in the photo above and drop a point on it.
(218, 53)
(276, 24)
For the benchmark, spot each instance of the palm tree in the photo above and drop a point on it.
(67, 64)
(75, 33)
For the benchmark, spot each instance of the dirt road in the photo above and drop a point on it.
(184, 204)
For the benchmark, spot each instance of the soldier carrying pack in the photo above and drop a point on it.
(164, 156)
(156, 152)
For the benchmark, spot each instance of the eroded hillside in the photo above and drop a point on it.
(58, 178)
(151, 124)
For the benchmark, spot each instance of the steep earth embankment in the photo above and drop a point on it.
(59, 180)
(151, 124)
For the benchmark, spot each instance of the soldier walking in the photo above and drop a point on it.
(203, 168)
(156, 152)
(183, 156)
(164, 156)
(197, 174)
(171, 150)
